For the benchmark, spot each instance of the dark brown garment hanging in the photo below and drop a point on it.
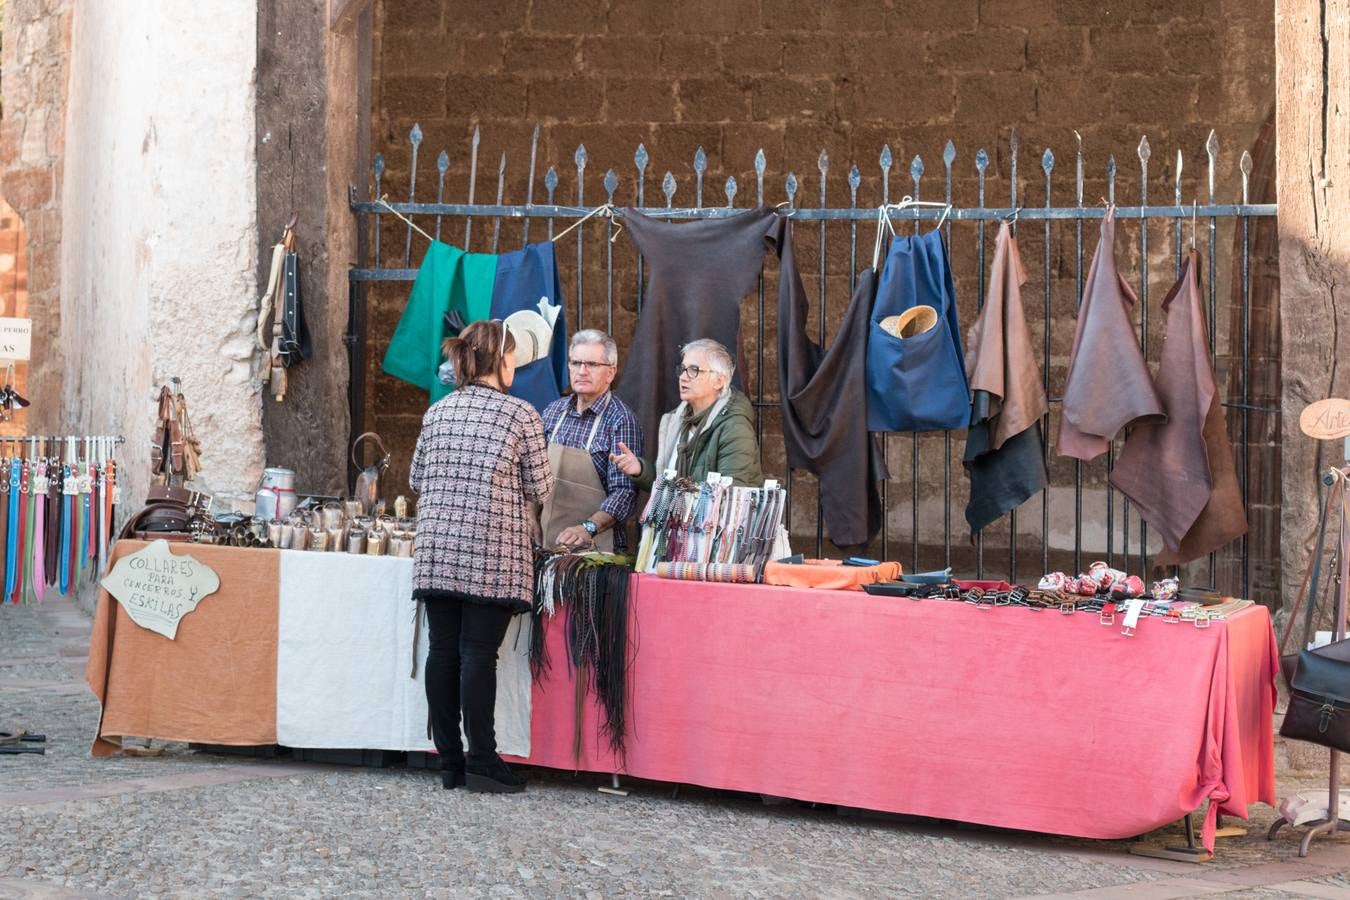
(51, 552)
(1108, 386)
(697, 273)
(1004, 453)
(824, 404)
(1181, 474)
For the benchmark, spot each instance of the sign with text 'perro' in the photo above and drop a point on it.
(158, 587)
(16, 339)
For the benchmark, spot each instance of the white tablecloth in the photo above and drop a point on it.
(344, 659)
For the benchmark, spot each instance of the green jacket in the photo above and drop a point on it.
(726, 445)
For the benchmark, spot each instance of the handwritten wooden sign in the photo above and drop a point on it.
(1326, 420)
(157, 587)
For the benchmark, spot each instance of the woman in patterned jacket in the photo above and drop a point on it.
(480, 460)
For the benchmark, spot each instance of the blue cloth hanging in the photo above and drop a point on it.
(523, 277)
(916, 383)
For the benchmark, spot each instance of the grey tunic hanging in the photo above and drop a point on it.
(698, 273)
(825, 402)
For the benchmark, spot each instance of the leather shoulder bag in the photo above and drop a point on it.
(1319, 686)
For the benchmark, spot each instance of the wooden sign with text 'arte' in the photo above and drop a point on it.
(1326, 420)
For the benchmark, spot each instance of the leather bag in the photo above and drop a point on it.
(1319, 702)
(1319, 685)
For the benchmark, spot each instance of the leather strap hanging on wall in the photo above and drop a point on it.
(286, 341)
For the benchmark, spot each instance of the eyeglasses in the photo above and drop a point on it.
(583, 364)
(691, 371)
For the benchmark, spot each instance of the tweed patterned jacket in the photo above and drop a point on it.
(480, 458)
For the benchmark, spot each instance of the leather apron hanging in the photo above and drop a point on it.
(577, 492)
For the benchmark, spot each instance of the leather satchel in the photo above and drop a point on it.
(1319, 702)
(1319, 683)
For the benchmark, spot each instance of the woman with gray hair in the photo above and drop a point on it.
(712, 430)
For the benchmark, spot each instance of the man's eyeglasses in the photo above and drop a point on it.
(691, 371)
(583, 364)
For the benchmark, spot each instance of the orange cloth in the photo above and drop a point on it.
(215, 683)
(829, 574)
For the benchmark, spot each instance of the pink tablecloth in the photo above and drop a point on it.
(1009, 717)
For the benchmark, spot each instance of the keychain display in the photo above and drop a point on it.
(10, 398)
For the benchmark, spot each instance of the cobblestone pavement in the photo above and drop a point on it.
(193, 824)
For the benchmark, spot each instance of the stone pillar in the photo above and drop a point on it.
(311, 120)
(159, 242)
(1313, 116)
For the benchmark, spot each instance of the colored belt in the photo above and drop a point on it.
(21, 541)
(51, 552)
(67, 507)
(39, 569)
(12, 526)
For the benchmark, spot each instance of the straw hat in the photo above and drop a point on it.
(912, 322)
(533, 331)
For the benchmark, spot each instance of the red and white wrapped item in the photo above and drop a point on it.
(1128, 586)
(1084, 587)
(1099, 573)
(1166, 590)
(1055, 581)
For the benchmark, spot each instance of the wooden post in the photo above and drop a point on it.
(1312, 97)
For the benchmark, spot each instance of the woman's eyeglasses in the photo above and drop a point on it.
(691, 371)
(584, 364)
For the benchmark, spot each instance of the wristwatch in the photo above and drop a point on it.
(591, 527)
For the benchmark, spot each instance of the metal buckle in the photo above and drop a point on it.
(1127, 631)
(1202, 620)
(1068, 607)
(1107, 615)
(974, 596)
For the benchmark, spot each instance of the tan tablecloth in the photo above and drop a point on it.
(218, 685)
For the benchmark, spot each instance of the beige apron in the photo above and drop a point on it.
(577, 491)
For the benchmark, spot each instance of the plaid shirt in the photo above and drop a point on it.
(617, 423)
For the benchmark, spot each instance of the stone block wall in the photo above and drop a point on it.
(793, 78)
(35, 63)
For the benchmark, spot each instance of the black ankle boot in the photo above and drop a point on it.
(493, 777)
(452, 777)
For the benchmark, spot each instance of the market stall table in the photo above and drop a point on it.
(1010, 717)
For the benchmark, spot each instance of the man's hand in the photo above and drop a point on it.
(627, 461)
(575, 536)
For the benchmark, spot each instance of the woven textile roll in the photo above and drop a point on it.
(734, 573)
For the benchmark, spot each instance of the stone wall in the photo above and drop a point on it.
(158, 251)
(793, 77)
(35, 63)
(1314, 183)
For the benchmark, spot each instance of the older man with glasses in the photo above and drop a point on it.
(592, 499)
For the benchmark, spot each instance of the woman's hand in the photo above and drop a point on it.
(626, 461)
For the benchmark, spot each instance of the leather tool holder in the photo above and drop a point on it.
(290, 342)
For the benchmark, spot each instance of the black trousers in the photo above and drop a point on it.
(461, 674)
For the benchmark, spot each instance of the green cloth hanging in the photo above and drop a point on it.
(448, 280)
